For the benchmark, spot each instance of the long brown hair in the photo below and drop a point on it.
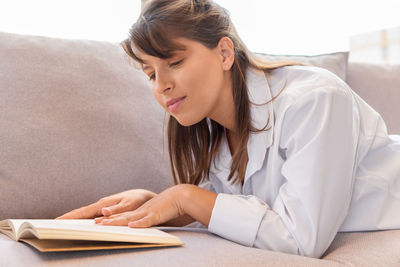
(193, 148)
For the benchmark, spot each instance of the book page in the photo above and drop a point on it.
(52, 245)
(88, 225)
(17, 223)
(7, 228)
(87, 229)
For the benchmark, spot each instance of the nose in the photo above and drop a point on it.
(163, 82)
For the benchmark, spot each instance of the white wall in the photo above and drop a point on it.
(269, 26)
(308, 26)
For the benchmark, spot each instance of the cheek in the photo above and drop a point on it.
(158, 98)
(202, 81)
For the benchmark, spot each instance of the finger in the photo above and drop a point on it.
(122, 219)
(141, 223)
(85, 212)
(99, 219)
(106, 211)
(118, 208)
(81, 213)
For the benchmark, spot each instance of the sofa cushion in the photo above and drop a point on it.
(77, 123)
(200, 248)
(379, 86)
(369, 248)
(334, 62)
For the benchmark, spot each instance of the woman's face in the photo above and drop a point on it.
(198, 75)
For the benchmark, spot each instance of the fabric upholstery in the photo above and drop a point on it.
(379, 86)
(334, 62)
(201, 248)
(374, 248)
(78, 123)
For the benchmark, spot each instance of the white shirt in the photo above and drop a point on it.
(327, 165)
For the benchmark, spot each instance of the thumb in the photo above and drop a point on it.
(81, 213)
(86, 212)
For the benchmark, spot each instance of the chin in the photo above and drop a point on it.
(185, 121)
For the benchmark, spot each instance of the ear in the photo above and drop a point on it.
(227, 52)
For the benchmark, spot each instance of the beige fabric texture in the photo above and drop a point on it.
(379, 86)
(200, 249)
(334, 62)
(375, 248)
(78, 122)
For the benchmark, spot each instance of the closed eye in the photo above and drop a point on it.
(177, 63)
(174, 64)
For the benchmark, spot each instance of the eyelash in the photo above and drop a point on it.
(171, 65)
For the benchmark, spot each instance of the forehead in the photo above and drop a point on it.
(182, 45)
(147, 59)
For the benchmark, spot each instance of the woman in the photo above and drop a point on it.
(324, 164)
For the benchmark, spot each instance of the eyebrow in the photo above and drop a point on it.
(143, 62)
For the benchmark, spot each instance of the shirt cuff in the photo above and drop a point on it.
(237, 217)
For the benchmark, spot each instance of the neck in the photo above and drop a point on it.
(224, 112)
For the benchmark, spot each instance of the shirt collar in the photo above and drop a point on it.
(259, 93)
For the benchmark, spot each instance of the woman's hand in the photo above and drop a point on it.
(114, 204)
(161, 208)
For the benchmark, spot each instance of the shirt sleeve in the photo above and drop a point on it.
(319, 135)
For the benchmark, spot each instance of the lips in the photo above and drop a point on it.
(174, 100)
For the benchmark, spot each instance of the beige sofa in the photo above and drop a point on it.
(79, 122)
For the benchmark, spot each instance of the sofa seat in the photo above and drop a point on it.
(202, 248)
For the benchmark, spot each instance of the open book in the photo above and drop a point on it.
(83, 234)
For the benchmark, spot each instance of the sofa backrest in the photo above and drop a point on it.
(77, 123)
(379, 86)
